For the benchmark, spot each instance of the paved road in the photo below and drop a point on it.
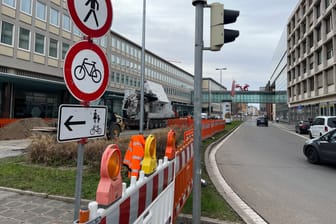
(266, 168)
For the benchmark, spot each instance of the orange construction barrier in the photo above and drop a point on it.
(110, 183)
(135, 154)
(171, 145)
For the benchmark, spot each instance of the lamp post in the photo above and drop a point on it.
(221, 69)
(221, 105)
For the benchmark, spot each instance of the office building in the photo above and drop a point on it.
(311, 70)
(35, 36)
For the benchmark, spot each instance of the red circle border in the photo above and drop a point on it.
(86, 30)
(74, 90)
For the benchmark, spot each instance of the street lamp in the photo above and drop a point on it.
(221, 69)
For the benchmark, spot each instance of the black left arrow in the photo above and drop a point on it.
(68, 122)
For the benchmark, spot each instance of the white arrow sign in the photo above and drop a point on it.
(76, 122)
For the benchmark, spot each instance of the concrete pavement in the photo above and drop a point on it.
(13, 147)
(31, 208)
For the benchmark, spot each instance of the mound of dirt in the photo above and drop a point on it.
(21, 129)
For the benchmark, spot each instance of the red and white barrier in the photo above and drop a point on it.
(157, 198)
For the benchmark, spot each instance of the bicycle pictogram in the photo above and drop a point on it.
(81, 70)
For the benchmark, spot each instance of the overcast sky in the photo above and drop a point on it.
(170, 33)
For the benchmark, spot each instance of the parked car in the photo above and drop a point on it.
(321, 125)
(204, 115)
(302, 127)
(262, 121)
(321, 149)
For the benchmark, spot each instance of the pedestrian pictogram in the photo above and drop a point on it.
(76, 122)
(86, 71)
(92, 17)
(96, 128)
(92, 11)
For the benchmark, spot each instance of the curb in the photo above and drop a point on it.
(44, 195)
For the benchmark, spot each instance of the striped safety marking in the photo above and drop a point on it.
(183, 199)
(128, 209)
(183, 156)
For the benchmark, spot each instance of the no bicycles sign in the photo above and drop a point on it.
(86, 71)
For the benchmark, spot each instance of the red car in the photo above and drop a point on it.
(302, 127)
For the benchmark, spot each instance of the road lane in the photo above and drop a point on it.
(266, 168)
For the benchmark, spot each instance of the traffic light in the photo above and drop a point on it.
(219, 17)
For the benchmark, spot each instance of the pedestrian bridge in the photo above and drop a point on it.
(246, 97)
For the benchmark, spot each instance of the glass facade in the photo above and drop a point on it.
(278, 81)
(33, 104)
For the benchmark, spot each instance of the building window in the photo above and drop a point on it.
(24, 39)
(40, 11)
(304, 66)
(319, 80)
(66, 23)
(65, 48)
(311, 83)
(304, 47)
(114, 42)
(117, 78)
(328, 24)
(304, 84)
(76, 31)
(327, 3)
(330, 77)
(298, 89)
(329, 50)
(310, 19)
(319, 56)
(311, 40)
(318, 10)
(7, 30)
(39, 43)
(25, 6)
(318, 33)
(54, 17)
(311, 62)
(53, 48)
(9, 3)
(103, 41)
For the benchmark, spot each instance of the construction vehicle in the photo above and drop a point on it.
(157, 107)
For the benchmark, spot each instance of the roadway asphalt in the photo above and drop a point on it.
(27, 207)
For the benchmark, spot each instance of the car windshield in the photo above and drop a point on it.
(332, 122)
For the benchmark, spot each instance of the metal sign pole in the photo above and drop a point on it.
(142, 96)
(196, 212)
(79, 177)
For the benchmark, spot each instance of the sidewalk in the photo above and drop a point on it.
(13, 147)
(29, 208)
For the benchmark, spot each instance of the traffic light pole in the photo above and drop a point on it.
(198, 67)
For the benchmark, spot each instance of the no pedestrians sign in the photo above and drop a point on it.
(92, 17)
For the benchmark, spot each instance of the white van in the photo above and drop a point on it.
(321, 125)
(204, 115)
